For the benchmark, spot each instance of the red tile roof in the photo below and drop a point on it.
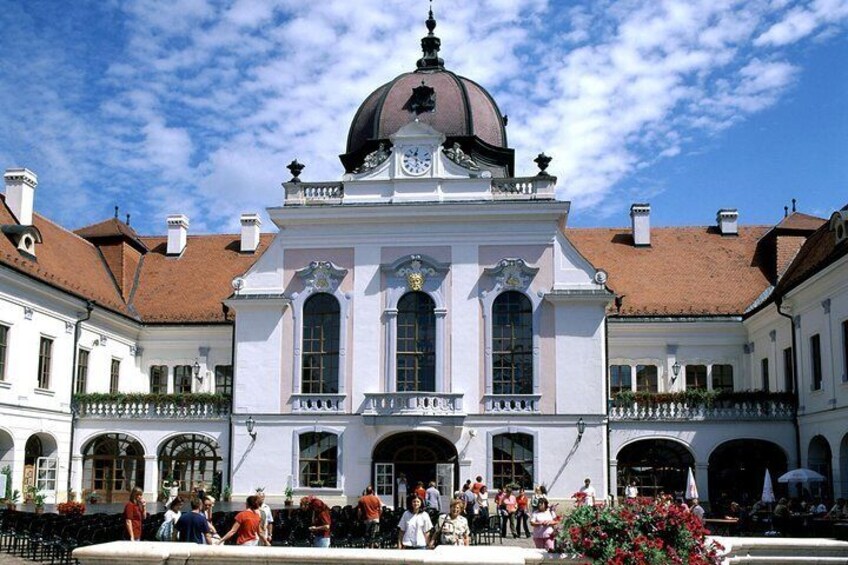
(687, 271)
(819, 251)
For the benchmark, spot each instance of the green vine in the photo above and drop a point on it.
(185, 399)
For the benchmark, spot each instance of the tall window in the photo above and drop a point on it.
(696, 377)
(321, 319)
(190, 459)
(182, 379)
(620, 379)
(416, 343)
(224, 379)
(158, 379)
(4, 337)
(82, 371)
(723, 377)
(764, 372)
(815, 358)
(512, 460)
(318, 459)
(788, 370)
(114, 376)
(512, 344)
(45, 359)
(646, 378)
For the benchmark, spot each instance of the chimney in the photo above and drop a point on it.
(728, 221)
(20, 193)
(640, 216)
(250, 224)
(177, 233)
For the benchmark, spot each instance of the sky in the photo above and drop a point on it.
(196, 106)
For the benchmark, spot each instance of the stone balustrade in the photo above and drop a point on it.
(720, 410)
(313, 192)
(413, 404)
(317, 403)
(524, 187)
(512, 403)
(151, 409)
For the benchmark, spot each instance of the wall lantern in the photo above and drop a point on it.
(581, 427)
(250, 424)
(196, 370)
(676, 370)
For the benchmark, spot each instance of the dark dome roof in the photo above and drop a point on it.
(463, 109)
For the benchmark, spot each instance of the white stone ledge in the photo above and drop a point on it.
(785, 551)
(161, 553)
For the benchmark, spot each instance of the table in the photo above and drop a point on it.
(721, 526)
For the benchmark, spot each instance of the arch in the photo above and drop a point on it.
(7, 450)
(656, 465)
(737, 469)
(512, 344)
(40, 463)
(843, 467)
(416, 456)
(113, 463)
(129, 435)
(191, 460)
(819, 459)
(416, 343)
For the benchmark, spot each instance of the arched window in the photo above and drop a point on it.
(512, 460)
(190, 459)
(318, 460)
(512, 344)
(112, 465)
(320, 366)
(416, 343)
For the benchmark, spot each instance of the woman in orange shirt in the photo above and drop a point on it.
(248, 525)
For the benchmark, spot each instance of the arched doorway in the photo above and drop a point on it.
(819, 459)
(401, 460)
(112, 465)
(40, 465)
(656, 465)
(191, 459)
(737, 470)
(7, 459)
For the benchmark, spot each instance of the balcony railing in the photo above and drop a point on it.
(683, 407)
(152, 406)
(318, 403)
(314, 192)
(512, 403)
(413, 404)
(524, 187)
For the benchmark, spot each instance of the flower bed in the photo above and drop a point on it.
(71, 508)
(642, 531)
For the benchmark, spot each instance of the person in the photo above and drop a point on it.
(521, 513)
(697, 509)
(208, 505)
(173, 487)
(452, 528)
(370, 509)
(543, 520)
(478, 484)
(265, 514)
(420, 491)
(401, 489)
(631, 491)
(470, 500)
(415, 525)
(433, 498)
(134, 514)
(736, 512)
(200, 490)
(193, 526)
(507, 511)
(820, 508)
(166, 531)
(838, 509)
(483, 502)
(540, 492)
(320, 518)
(589, 491)
(247, 525)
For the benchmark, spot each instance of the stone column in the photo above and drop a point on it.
(702, 480)
(151, 481)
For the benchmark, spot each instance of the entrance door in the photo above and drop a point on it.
(384, 483)
(445, 484)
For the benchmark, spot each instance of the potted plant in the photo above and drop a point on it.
(13, 499)
(93, 497)
(289, 494)
(227, 493)
(71, 508)
(38, 499)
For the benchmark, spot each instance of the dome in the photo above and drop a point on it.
(451, 104)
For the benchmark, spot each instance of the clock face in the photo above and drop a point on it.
(417, 160)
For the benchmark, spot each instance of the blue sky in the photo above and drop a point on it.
(195, 106)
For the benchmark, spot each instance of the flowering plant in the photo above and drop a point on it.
(641, 531)
(71, 508)
(580, 497)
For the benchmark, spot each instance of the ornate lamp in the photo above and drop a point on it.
(250, 424)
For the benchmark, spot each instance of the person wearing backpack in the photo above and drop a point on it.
(166, 531)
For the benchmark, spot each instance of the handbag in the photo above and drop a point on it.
(165, 531)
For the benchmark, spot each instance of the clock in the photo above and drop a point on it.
(417, 160)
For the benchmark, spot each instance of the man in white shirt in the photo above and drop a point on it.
(589, 491)
(266, 514)
(631, 491)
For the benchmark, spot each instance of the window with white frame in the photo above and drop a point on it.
(512, 344)
(318, 459)
(4, 342)
(816, 361)
(696, 377)
(764, 373)
(512, 460)
(620, 379)
(722, 377)
(320, 338)
(158, 379)
(224, 379)
(82, 371)
(647, 378)
(45, 474)
(114, 376)
(416, 343)
(182, 379)
(45, 360)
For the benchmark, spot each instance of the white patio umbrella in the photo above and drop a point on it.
(768, 489)
(691, 487)
(801, 475)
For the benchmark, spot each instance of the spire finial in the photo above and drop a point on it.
(793, 204)
(430, 45)
(128, 219)
(116, 211)
(785, 211)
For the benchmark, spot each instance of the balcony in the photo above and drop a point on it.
(304, 193)
(152, 406)
(524, 188)
(511, 403)
(702, 406)
(317, 403)
(439, 408)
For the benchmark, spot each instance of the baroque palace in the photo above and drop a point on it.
(428, 317)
